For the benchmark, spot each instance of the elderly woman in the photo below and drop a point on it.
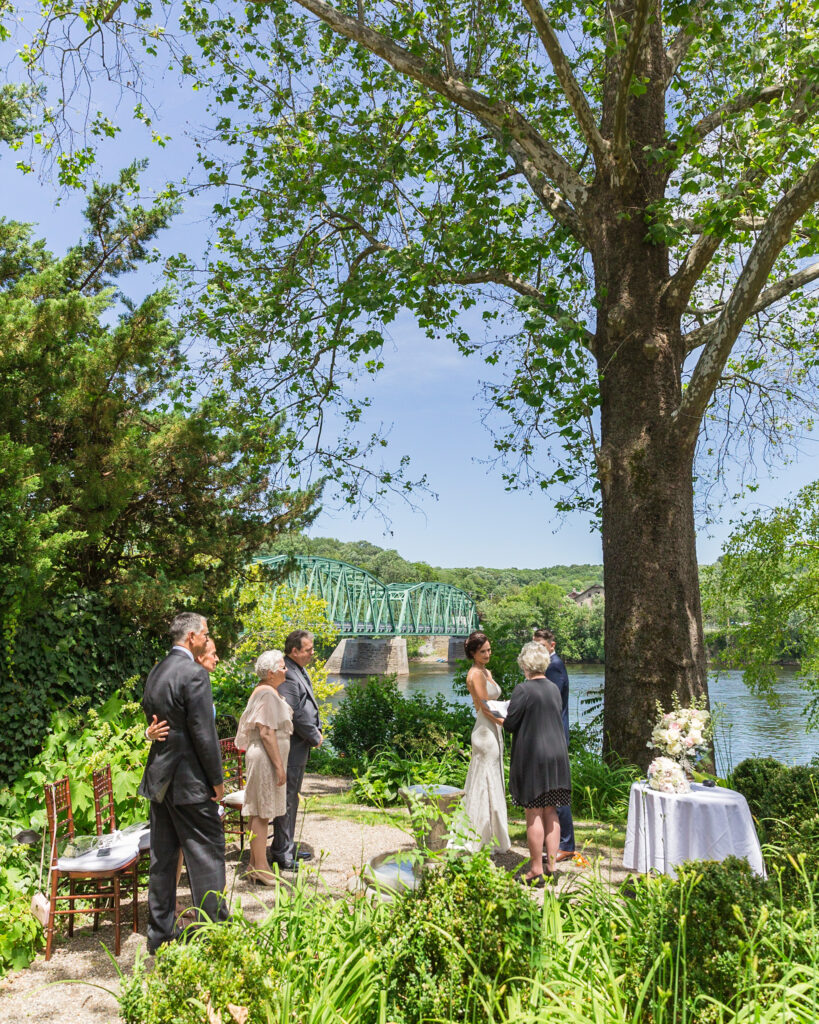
(539, 778)
(264, 733)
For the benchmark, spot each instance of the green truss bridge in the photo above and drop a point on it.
(362, 606)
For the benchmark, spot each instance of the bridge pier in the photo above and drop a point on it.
(442, 648)
(364, 656)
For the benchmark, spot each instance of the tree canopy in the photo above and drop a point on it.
(770, 568)
(624, 194)
(118, 477)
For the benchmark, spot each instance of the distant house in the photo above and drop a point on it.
(588, 595)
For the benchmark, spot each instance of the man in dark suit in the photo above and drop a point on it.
(184, 782)
(560, 677)
(297, 690)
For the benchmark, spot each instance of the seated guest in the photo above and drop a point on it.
(264, 733)
(539, 778)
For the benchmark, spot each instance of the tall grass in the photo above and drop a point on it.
(607, 957)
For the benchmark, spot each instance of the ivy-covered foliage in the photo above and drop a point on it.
(78, 647)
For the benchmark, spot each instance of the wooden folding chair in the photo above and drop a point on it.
(234, 798)
(88, 872)
(103, 787)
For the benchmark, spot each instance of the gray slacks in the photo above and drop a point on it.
(197, 830)
(283, 848)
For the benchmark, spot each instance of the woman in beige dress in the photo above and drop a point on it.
(264, 734)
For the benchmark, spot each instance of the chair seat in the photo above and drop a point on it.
(110, 858)
(141, 832)
(235, 799)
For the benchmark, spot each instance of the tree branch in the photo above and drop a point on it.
(783, 288)
(568, 83)
(551, 200)
(680, 286)
(772, 239)
(498, 115)
(678, 48)
(635, 42)
(492, 275)
(711, 121)
(740, 223)
(497, 275)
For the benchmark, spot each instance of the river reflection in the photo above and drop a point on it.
(747, 726)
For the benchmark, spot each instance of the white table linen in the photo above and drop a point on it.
(665, 829)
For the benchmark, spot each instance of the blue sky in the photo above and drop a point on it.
(426, 394)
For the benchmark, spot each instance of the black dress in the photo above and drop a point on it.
(539, 771)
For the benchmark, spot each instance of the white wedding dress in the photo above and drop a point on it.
(484, 802)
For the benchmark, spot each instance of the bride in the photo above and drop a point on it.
(485, 799)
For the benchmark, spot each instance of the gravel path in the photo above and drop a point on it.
(79, 984)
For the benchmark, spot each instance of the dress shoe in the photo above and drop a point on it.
(285, 865)
(564, 855)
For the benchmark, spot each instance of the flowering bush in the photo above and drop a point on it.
(682, 734)
(667, 776)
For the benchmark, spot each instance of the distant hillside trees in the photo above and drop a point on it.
(511, 602)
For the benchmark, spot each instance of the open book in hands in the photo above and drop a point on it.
(497, 707)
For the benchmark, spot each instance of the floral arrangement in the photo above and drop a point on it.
(667, 776)
(682, 734)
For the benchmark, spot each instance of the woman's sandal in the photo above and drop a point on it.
(535, 882)
(266, 878)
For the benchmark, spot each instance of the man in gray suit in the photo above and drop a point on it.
(297, 690)
(184, 782)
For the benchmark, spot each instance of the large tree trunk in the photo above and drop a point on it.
(654, 644)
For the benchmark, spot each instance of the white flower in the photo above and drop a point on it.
(666, 776)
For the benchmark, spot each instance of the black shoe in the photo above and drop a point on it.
(302, 854)
(285, 865)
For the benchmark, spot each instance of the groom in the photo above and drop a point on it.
(560, 677)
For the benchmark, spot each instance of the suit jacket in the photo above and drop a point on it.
(297, 690)
(188, 765)
(558, 674)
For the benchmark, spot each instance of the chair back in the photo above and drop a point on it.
(104, 800)
(232, 762)
(58, 813)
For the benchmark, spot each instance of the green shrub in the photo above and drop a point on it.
(785, 802)
(753, 778)
(232, 684)
(467, 930)
(20, 932)
(307, 961)
(793, 795)
(716, 905)
(599, 790)
(382, 778)
(82, 739)
(373, 714)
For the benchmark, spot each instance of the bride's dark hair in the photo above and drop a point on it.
(474, 642)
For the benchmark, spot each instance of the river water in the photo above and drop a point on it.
(746, 726)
